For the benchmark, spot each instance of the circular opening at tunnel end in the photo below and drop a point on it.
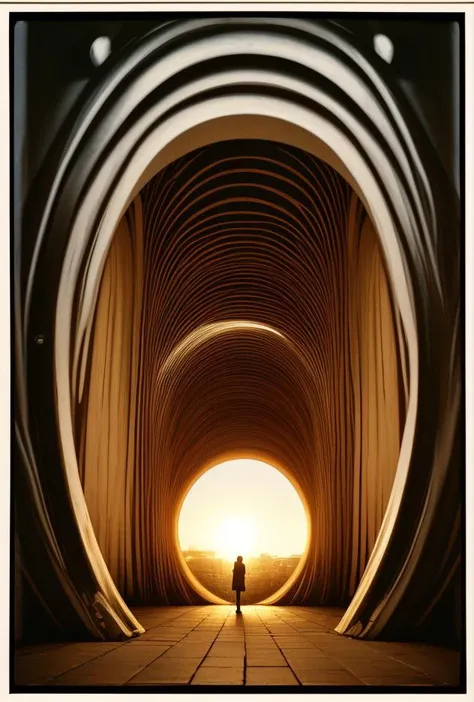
(243, 507)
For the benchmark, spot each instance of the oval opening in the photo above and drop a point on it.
(247, 508)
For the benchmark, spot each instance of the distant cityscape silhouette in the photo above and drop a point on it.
(265, 573)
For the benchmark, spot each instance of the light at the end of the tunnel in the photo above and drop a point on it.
(236, 509)
(233, 535)
(243, 508)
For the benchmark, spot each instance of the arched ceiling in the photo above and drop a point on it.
(245, 348)
(177, 77)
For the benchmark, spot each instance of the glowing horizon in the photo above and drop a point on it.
(236, 509)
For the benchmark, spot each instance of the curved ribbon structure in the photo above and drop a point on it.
(253, 299)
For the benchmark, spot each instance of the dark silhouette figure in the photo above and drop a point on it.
(238, 581)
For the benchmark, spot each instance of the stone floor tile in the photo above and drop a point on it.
(301, 634)
(164, 632)
(114, 668)
(153, 624)
(236, 662)
(264, 646)
(412, 680)
(442, 666)
(350, 653)
(326, 636)
(265, 658)
(367, 668)
(284, 644)
(387, 648)
(314, 663)
(215, 629)
(199, 634)
(155, 642)
(344, 644)
(39, 648)
(38, 669)
(270, 676)
(328, 677)
(280, 631)
(304, 652)
(251, 634)
(309, 630)
(187, 651)
(354, 655)
(218, 676)
(226, 650)
(159, 638)
(231, 633)
(169, 671)
(255, 631)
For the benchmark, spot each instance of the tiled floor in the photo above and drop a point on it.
(212, 646)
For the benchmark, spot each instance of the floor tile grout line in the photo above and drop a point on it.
(91, 660)
(280, 650)
(296, 675)
(244, 681)
(270, 624)
(21, 654)
(355, 675)
(206, 654)
(124, 643)
(177, 617)
(168, 649)
(127, 682)
(415, 668)
(288, 663)
(295, 630)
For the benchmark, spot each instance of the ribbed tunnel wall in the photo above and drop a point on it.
(267, 330)
(326, 92)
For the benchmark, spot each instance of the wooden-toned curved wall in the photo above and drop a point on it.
(108, 418)
(378, 388)
(303, 327)
(266, 329)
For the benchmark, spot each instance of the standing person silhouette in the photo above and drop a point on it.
(238, 581)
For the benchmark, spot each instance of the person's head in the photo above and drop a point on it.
(239, 559)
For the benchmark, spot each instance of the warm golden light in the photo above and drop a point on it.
(233, 534)
(243, 507)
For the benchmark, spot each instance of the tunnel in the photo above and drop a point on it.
(242, 244)
(257, 259)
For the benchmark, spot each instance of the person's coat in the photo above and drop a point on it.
(238, 577)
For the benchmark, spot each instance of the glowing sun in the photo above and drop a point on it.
(233, 535)
(243, 508)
